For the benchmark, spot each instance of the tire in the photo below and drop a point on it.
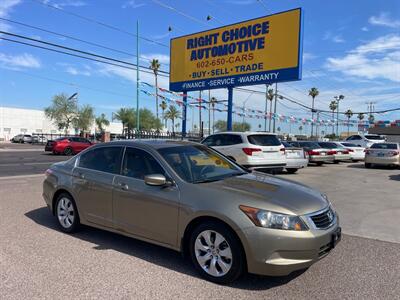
(336, 162)
(319, 163)
(368, 165)
(67, 213)
(55, 153)
(227, 258)
(291, 171)
(68, 151)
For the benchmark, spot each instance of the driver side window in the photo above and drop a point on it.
(138, 163)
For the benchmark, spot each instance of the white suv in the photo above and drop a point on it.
(250, 149)
(365, 140)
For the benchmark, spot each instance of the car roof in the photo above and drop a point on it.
(152, 143)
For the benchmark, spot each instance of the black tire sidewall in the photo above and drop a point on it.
(238, 257)
(76, 224)
(68, 151)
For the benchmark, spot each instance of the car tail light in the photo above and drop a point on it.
(393, 153)
(48, 172)
(332, 152)
(350, 150)
(283, 150)
(312, 152)
(346, 152)
(249, 151)
(367, 151)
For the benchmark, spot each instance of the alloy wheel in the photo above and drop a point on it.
(213, 253)
(65, 212)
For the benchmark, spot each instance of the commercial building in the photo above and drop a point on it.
(15, 121)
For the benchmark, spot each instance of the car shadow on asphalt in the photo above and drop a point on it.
(394, 177)
(154, 254)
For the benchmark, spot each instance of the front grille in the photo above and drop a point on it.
(324, 250)
(324, 219)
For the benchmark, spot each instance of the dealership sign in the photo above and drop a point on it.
(258, 51)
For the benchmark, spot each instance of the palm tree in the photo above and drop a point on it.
(213, 101)
(172, 114)
(102, 121)
(371, 118)
(155, 66)
(313, 92)
(333, 107)
(360, 116)
(348, 114)
(270, 97)
(300, 128)
(163, 107)
(124, 115)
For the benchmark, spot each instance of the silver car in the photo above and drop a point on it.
(296, 158)
(188, 197)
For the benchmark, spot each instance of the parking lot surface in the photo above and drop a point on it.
(38, 261)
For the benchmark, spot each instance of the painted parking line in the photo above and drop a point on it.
(21, 176)
(21, 150)
(27, 164)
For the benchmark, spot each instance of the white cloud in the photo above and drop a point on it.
(336, 38)
(74, 71)
(307, 56)
(377, 59)
(364, 29)
(72, 3)
(6, 6)
(384, 20)
(132, 4)
(19, 61)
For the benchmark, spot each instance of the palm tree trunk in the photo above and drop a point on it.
(173, 125)
(270, 117)
(213, 128)
(156, 97)
(312, 117)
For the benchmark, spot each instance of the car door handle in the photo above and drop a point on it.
(123, 186)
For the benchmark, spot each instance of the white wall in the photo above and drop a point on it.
(14, 121)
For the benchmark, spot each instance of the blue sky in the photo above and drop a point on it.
(350, 48)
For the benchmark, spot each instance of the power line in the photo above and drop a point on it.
(180, 12)
(98, 22)
(71, 49)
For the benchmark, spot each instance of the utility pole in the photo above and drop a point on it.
(317, 125)
(276, 100)
(137, 77)
(200, 129)
(266, 107)
(338, 99)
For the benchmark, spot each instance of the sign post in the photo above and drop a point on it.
(264, 50)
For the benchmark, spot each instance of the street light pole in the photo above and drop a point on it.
(137, 77)
(276, 100)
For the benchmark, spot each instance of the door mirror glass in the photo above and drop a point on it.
(155, 179)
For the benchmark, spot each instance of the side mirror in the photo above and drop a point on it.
(155, 180)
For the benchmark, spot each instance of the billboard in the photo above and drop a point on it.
(258, 51)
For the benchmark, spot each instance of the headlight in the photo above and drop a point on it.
(268, 219)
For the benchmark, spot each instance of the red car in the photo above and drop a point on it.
(68, 145)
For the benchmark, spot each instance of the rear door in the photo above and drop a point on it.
(93, 183)
(147, 211)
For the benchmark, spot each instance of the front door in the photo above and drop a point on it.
(140, 209)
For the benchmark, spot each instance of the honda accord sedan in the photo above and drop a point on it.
(188, 197)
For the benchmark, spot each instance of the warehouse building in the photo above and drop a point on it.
(15, 121)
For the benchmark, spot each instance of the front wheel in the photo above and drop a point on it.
(67, 213)
(216, 253)
(68, 151)
(368, 165)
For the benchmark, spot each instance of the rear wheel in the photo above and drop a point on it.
(67, 213)
(216, 253)
(368, 165)
(291, 171)
(68, 151)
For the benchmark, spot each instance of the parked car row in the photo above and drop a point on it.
(27, 138)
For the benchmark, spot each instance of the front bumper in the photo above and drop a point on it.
(276, 252)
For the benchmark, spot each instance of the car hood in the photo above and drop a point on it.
(270, 193)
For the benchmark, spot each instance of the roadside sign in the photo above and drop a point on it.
(258, 51)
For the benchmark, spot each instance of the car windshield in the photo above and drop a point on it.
(329, 145)
(348, 145)
(384, 146)
(263, 140)
(374, 137)
(309, 145)
(198, 164)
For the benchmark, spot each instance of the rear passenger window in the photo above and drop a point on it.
(232, 139)
(139, 163)
(209, 141)
(105, 159)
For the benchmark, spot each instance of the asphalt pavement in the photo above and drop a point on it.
(39, 261)
(25, 159)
